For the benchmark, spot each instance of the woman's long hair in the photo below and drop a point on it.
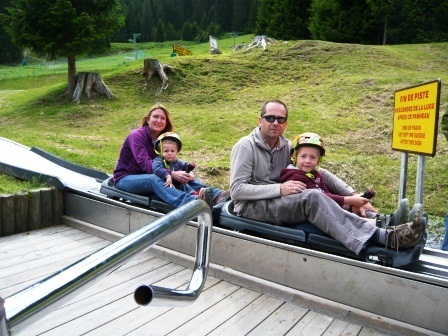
(169, 123)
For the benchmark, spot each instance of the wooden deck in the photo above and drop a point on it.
(108, 308)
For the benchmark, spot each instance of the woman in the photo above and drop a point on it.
(133, 172)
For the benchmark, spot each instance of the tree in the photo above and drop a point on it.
(62, 28)
(348, 21)
(283, 19)
(159, 35)
(9, 53)
(147, 21)
(411, 21)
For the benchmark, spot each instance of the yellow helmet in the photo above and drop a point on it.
(308, 139)
(167, 136)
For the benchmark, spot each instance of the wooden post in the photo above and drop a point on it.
(20, 213)
(7, 214)
(46, 206)
(58, 206)
(34, 210)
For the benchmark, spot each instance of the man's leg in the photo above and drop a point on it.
(313, 206)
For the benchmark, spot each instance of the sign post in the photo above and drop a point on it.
(416, 115)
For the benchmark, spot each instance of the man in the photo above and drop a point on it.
(255, 164)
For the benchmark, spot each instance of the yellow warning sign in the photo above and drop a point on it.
(416, 115)
(181, 50)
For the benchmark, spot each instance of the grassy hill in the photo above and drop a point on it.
(342, 91)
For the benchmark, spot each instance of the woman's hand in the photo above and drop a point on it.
(181, 176)
(291, 187)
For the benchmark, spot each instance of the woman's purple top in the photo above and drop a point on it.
(136, 154)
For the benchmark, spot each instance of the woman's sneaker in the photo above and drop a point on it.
(206, 194)
(405, 235)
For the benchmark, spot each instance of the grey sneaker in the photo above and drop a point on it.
(416, 211)
(405, 235)
(206, 194)
(400, 215)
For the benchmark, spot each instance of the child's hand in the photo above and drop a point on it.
(169, 182)
(356, 200)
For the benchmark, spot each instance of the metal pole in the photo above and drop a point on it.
(403, 176)
(19, 310)
(420, 179)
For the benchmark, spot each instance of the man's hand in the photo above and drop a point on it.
(291, 187)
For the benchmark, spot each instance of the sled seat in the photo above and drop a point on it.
(308, 235)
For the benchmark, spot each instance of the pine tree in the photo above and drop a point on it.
(62, 27)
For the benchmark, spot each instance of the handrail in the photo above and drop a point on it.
(28, 305)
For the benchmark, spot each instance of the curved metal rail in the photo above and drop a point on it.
(19, 310)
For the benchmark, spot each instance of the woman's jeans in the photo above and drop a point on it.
(150, 184)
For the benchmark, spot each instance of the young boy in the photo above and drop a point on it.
(167, 146)
(308, 150)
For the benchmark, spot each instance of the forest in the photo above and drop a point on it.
(344, 21)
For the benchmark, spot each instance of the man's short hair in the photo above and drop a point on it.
(263, 108)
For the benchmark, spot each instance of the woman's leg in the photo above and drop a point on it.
(147, 184)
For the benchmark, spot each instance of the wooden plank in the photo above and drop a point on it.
(312, 324)
(20, 258)
(249, 317)
(42, 271)
(281, 321)
(33, 236)
(87, 245)
(342, 328)
(216, 314)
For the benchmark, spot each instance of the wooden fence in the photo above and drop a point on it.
(30, 211)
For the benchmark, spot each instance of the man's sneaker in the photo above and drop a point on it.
(400, 215)
(206, 194)
(405, 235)
(416, 211)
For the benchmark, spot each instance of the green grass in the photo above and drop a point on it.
(342, 91)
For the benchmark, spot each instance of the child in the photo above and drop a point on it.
(167, 146)
(308, 150)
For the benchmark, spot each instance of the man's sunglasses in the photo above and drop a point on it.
(271, 119)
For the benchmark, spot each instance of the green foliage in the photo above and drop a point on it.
(61, 27)
(284, 19)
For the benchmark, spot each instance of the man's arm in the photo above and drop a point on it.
(246, 175)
